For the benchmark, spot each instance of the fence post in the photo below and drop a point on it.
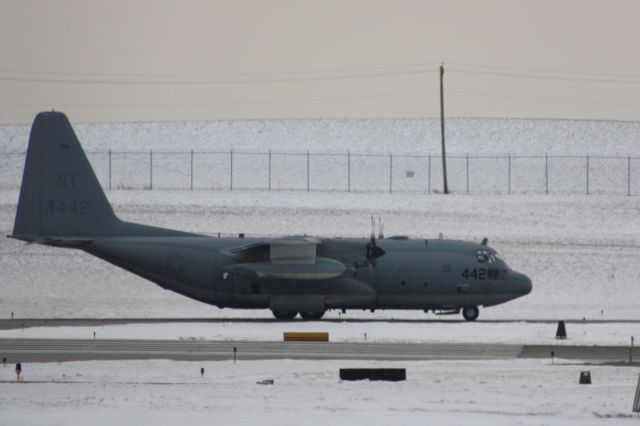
(390, 172)
(269, 170)
(546, 173)
(348, 171)
(192, 170)
(150, 170)
(109, 169)
(587, 175)
(628, 176)
(467, 172)
(509, 177)
(231, 170)
(307, 171)
(429, 175)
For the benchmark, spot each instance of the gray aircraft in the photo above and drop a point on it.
(63, 205)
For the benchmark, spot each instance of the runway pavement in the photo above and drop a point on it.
(60, 350)
(16, 323)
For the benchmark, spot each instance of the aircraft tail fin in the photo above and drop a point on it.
(60, 194)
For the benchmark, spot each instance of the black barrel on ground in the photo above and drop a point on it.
(561, 332)
(585, 378)
(386, 374)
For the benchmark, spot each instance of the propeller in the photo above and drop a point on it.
(373, 251)
(373, 231)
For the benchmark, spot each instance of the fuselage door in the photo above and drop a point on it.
(223, 284)
(464, 288)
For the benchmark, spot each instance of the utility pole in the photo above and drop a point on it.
(444, 156)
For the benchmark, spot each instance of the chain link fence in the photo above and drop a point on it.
(353, 172)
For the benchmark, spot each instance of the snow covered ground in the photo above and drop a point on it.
(158, 392)
(606, 334)
(580, 251)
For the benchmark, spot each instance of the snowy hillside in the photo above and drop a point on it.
(485, 156)
(400, 136)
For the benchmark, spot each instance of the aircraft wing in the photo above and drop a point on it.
(292, 258)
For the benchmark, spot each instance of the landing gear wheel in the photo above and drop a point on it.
(284, 315)
(470, 313)
(312, 315)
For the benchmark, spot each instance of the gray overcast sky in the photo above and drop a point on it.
(138, 60)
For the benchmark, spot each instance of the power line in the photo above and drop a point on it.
(538, 99)
(197, 105)
(290, 76)
(546, 71)
(398, 67)
(314, 100)
(544, 77)
(213, 82)
(218, 74)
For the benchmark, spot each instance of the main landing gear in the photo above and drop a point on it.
(289, 315)
(470, 313)
(312, 315)
(284, 315)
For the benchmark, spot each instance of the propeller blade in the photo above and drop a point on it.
(373, 232)
(374, 252)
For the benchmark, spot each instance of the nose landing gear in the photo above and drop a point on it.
(289, 315)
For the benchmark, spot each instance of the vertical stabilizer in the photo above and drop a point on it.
(60, 194)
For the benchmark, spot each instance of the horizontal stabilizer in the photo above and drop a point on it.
(55, 241)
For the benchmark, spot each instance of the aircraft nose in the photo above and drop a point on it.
(522, 284)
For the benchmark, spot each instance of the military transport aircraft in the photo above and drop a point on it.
(63, 205)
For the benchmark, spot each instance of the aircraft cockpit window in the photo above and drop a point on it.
(499, 259)
(485, 256)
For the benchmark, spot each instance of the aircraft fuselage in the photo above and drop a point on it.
(421, 274)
